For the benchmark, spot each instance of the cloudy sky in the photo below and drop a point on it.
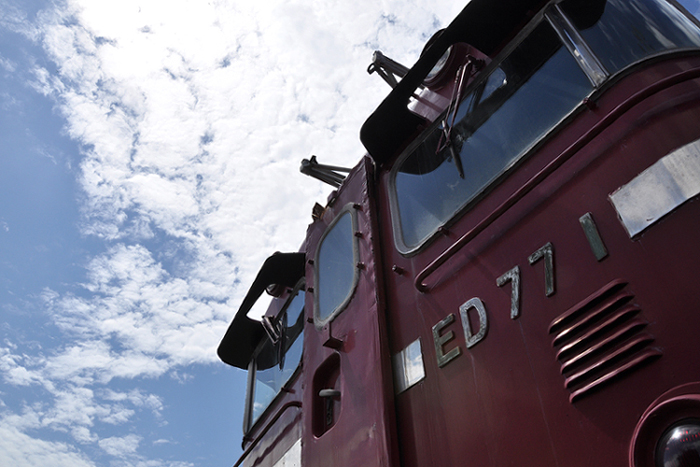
(149, 154)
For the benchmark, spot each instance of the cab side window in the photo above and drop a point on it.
(335, 267)
(275, 361)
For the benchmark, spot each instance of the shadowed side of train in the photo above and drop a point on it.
(510, 276)
(336, 406)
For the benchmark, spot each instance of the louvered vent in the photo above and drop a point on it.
(600, 339)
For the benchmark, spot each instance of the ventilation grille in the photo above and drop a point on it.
(600, 339)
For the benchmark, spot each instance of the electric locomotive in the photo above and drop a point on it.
(508, 276)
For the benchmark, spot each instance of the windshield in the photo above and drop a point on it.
(538, 84)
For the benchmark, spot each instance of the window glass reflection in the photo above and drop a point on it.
(630, 30)
(536, 86)
(693, 7)
(275, 362)
(335, 267)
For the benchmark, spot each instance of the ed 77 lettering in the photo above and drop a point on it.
(512, 276)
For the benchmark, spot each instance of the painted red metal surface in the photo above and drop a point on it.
(527, 393)
(505, 401)
(355, 358)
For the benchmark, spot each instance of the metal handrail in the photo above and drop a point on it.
(264, 431)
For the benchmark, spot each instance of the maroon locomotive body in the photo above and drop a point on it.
(509, 276)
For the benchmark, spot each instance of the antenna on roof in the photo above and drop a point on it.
(326, 173)
(387, 68)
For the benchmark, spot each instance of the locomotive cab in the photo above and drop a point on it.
(508, 276)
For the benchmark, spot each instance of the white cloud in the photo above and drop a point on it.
(12, 370)
(8, 66)
(83, 435)
(120, 446)
(21, 450)
(193, 118)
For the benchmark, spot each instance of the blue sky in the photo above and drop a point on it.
(149, 155)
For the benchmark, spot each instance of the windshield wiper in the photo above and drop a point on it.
(466, 71)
